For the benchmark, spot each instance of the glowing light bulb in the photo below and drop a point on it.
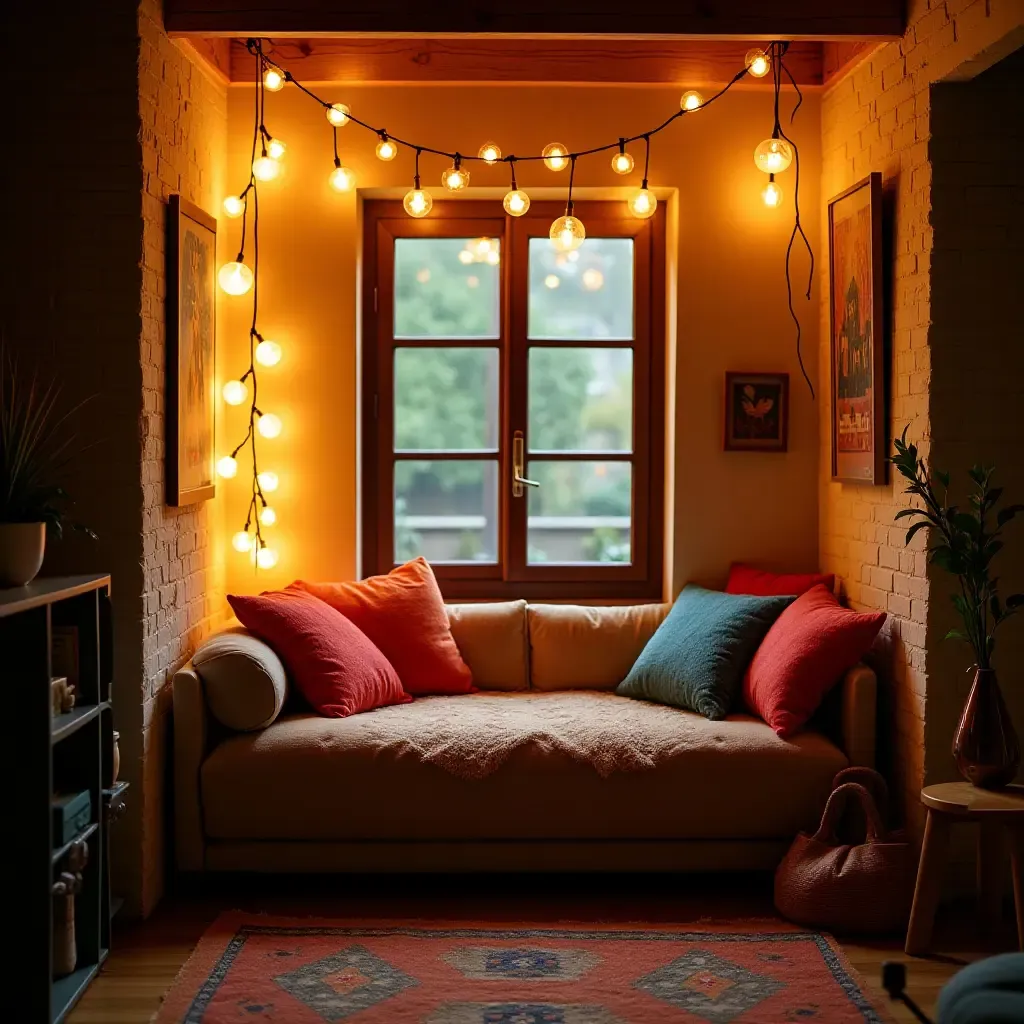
(642, 203)
(567, 233)
(235, 392)
(227, 467)
(275, 149)
(691, 100)
(465, 256)
(758, 62)
(235, 278)
(489, 153)
(268, 516)
(556, 156)
(516, 202)
(552, 281)
(265, 169)
(268, 481)
(593, 279)
(622, 163)
(266, 558)
(772, 194)
(342, 179)
(417, 202)
(773, 156)
(268, 353)
(233, 206)
(241, 541)
(269, 425)
(273, 80)
(455, 179)
(338, 113)
(493, 257)
(386, 149)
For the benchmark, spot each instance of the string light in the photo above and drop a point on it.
(516, 201)
(622, 162)
(417, 202)
(268, 516)
(268, 481)
(264, 168)
(276, 148)
(455, 178)
(235, 392)
(386, 149)
(268, 353)
(568, 233)
(643, 202)
(466, 257)
(233, 206)
(337, 114)
(235, 278)
(269, 425)
(757, 62)
(489, 153)
(266, 558)
(342, 179)
(691, 100)
(241, 541)
(227, 467)
(273, 80)
(773, 156)
(771, 193)
(556, 156)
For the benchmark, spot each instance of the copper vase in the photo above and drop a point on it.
(985, 747)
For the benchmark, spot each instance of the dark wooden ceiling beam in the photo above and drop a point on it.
(425, 61)
(741, 19)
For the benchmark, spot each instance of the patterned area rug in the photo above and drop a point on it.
(309, 971)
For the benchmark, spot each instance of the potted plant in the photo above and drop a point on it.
(964, 542)
(35, 442)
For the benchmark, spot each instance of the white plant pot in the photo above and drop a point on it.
(21, 552)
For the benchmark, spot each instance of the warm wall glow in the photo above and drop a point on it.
(235, 278)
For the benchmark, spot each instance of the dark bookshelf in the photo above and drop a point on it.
(59, 626)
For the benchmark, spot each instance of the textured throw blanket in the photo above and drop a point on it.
(472, 736)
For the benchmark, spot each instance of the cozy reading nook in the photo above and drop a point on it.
(532, 502)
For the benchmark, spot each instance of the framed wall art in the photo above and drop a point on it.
(756, 412)
(856, 338)
(191, 352)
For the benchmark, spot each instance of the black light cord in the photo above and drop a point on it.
(647, 159)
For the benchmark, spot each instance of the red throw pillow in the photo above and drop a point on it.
(745, 579)
(335, 667)
(809, 647)
(403, 613)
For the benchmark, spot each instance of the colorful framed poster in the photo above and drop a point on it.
(191, 351)
(856, 338)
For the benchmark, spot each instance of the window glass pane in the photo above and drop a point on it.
(447, 288)
(446, 398)
(580, 512)
(446, 511)
(585, 295)
(581, 399)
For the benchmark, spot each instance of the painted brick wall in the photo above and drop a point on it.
(878, 117)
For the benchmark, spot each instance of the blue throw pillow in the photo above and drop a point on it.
(697, 656)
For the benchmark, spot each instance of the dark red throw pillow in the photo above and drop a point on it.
(805, 653)
(745, 579)
(334, 666)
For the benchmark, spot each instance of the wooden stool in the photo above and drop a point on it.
(993, 811)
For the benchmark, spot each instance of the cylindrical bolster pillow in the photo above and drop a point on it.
(243, 679)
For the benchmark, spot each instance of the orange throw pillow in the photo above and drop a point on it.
(335, 667)
(809, 647)
(404, 615)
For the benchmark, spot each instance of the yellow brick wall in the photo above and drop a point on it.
(877, 117)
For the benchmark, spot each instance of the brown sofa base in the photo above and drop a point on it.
(507, 856)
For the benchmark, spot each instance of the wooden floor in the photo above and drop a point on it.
(147, 957)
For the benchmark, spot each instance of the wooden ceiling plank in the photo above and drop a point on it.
(506, 61)
(811, 19)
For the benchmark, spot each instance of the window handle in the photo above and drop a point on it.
(519, 465)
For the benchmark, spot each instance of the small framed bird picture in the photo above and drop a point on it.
(756, 412)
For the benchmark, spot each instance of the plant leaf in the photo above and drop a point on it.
(1015, 601)
(914, 529)
(1006, 514)
(904, 512)
(955, 634)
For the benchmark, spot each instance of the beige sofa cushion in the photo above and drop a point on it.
(243, 679)
(492, 641)
(321, 779)
(576, 647)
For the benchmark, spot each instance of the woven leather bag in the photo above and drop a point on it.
(863, 887)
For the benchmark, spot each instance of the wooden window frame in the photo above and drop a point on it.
(511, 577)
